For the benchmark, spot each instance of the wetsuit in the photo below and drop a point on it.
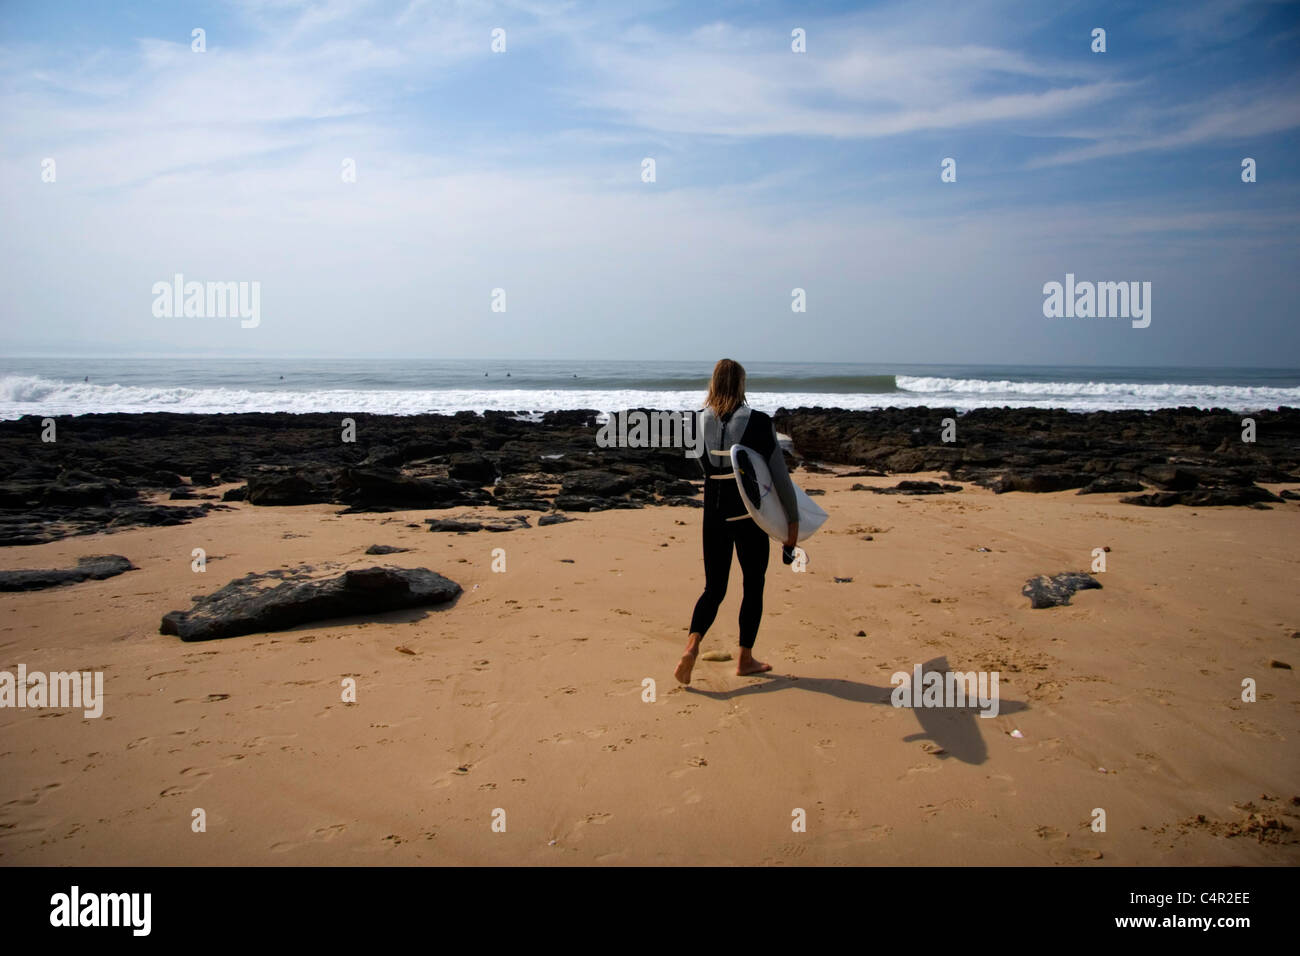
(722, 502)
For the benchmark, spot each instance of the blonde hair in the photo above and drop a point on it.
(727, 388)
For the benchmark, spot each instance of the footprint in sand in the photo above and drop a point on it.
(1005, 783)
(140, 741)
(1059, 850)
(35, 797)
(694, 764)
(193, 772)
(919, 769)
(1246, 726)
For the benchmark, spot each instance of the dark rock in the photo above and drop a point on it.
(1055, 591)
(93, 478)
(1291, 494)
(524, 504)
(384, 456)
(157, 516)
(1038, 482)
(544, 520)
(596, 484)
(916, 488)
(236, 494)
(581, 503)
(245, 606)
(1110, 485)
(92, 568)
(1204, 497)
(285, 488)
(461, 525)
(365, 488)
(929, 458)
(473, 467)
(1180, 445)
(1171, 478)
(676, 487)
(580, 417)
(99, 493)
(385, 549)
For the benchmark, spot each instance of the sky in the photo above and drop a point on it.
(522, 170)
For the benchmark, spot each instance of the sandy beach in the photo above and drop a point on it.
(527, 694)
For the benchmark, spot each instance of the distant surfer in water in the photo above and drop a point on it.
(724, 421)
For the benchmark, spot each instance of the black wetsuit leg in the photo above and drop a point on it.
(752, 550)
(751, 545)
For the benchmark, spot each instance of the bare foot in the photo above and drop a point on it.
(685, 666)
(748, 665)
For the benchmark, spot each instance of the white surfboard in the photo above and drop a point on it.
(761, 501)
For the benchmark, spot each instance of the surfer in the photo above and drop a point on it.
(725, 420)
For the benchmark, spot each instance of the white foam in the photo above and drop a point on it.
(33, 395)
(1096, 395)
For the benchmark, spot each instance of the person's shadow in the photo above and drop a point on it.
(955, 730)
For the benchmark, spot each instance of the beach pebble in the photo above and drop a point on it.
(861, 634)
(843, 580)
(1277, 663)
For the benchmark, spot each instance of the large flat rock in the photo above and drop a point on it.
(248, 605)
(93, 567)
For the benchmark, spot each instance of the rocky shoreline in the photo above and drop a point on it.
(112, 471)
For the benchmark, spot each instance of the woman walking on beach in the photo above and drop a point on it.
(724, 421)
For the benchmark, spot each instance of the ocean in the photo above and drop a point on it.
(75, 386)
